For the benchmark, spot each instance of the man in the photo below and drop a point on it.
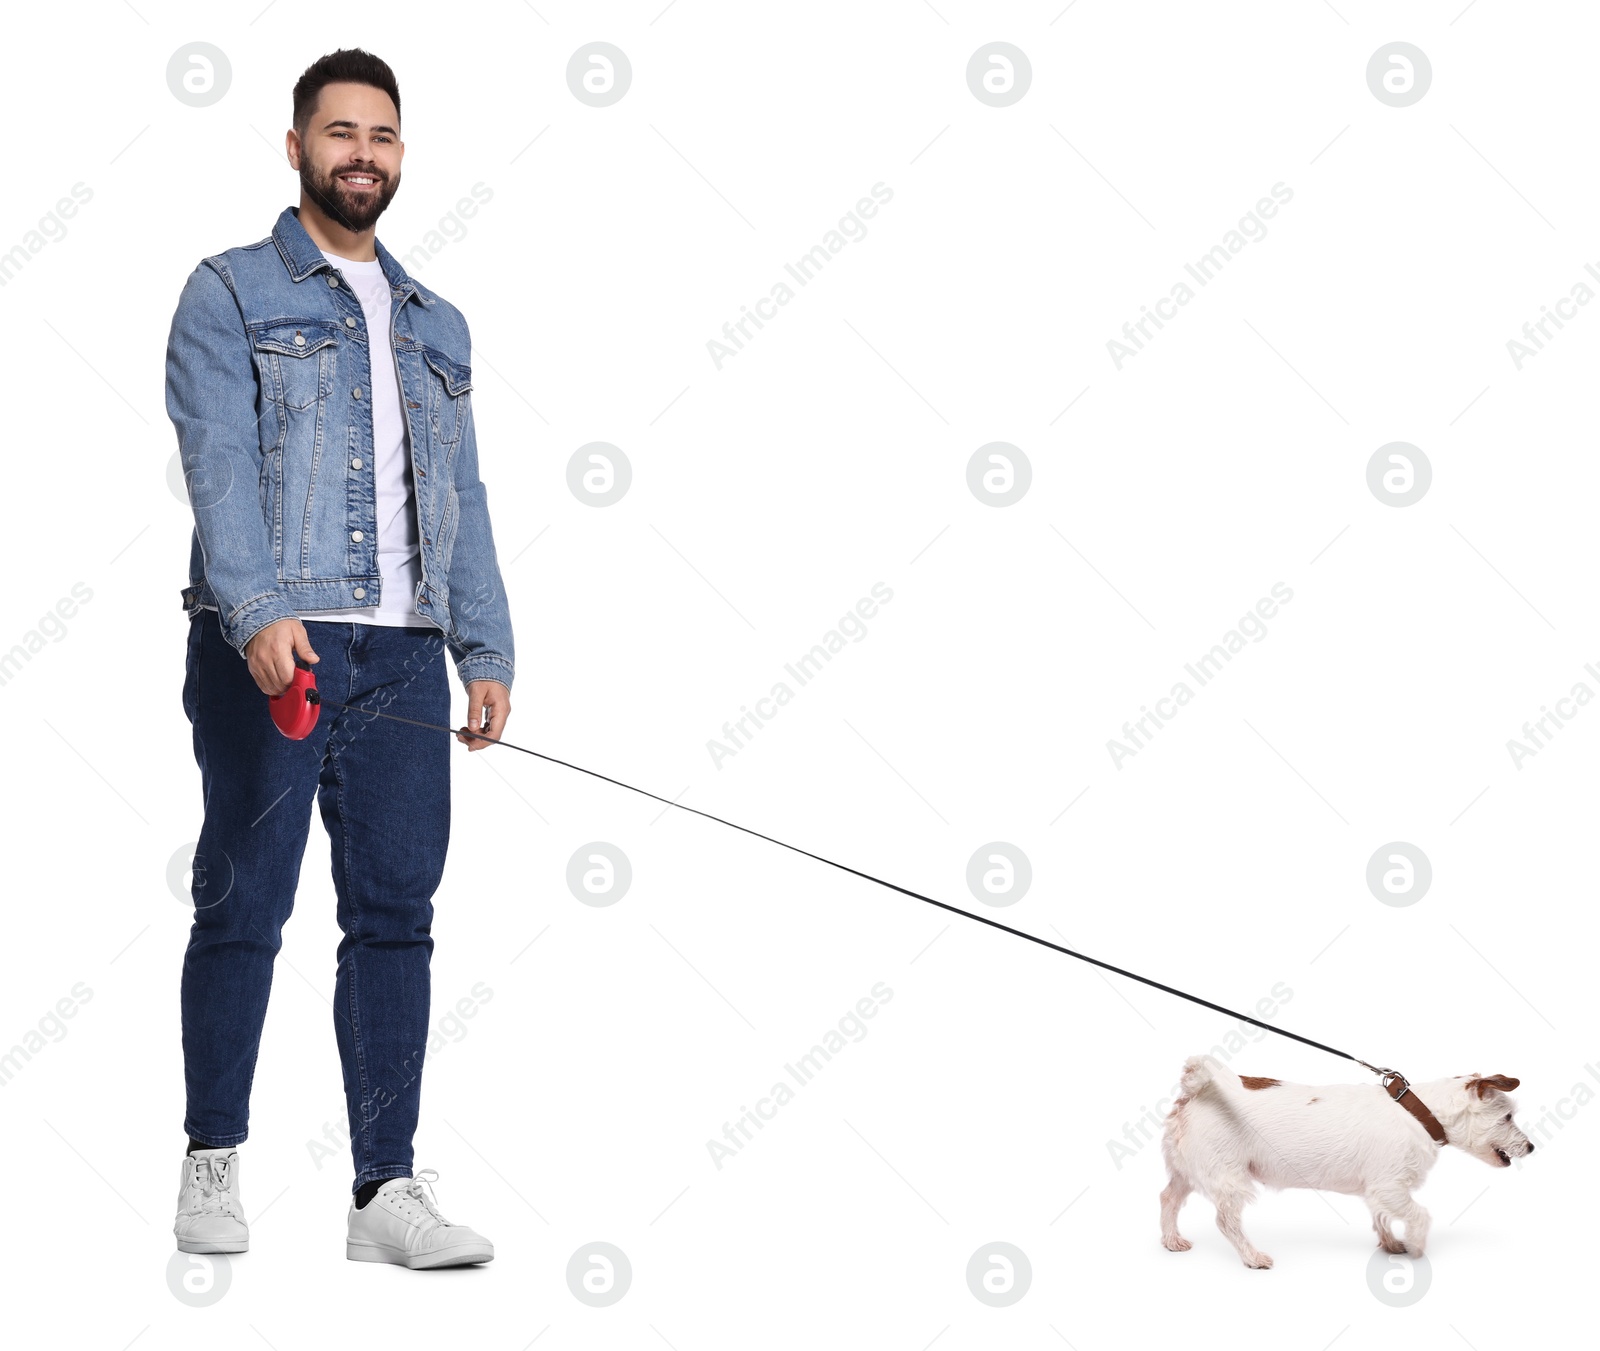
(322, 404)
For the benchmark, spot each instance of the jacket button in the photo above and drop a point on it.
(355, 464)
(356, 391)
(299, 339)
(359, 592)
(332, 280)
(349, 322)
(357, 536)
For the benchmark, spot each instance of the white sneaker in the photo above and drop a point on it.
(403, 1224)
(210, 1215)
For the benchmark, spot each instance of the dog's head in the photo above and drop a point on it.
(1476, 1114)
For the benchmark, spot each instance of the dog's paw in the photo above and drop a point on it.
(1412, 1249)
(1258, 1262)
(1393, 1245)
(1176, 1243)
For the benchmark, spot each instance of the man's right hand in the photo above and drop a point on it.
(271, 652)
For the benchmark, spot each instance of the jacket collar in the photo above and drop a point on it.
(303, 258)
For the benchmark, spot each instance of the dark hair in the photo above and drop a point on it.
(348, 65)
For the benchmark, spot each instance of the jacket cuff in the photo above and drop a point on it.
(253, 616)
(484, 667)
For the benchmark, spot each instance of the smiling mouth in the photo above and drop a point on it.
(1505, 1159)
(360, 182)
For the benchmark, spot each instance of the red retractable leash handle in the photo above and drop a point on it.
(295, 710)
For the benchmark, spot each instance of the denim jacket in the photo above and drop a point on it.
(269, 378)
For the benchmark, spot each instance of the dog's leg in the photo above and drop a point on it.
(1386, 1239)
(1172, 1199)
(1397, 1204)
(1230, 1205)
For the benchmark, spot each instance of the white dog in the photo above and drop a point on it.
(1229, 1132)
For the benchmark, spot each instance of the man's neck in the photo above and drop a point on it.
(327, 234)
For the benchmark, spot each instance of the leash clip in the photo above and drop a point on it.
(1388, 1077)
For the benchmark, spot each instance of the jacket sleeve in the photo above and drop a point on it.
(480, 640)
(211, 399)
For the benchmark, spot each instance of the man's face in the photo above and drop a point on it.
(349, 159)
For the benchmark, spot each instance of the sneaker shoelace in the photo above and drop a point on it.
(413, 1191)
(214, 1177)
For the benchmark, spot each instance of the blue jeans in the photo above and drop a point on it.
(383, 788)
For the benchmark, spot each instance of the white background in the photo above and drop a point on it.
(769, 496)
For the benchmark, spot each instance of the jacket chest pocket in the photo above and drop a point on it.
(295, 362)
(449, 384)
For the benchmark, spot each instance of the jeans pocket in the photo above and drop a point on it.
(191, 667)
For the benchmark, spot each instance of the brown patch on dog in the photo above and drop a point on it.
(1255, 1081)
(1313, 1100)
(1483, 1083)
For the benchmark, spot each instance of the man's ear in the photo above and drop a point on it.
(1484, 1084)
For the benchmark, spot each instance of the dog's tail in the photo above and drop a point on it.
(1205, 1073)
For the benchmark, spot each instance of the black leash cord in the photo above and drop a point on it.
(904, 891)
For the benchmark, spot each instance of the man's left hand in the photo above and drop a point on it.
(488, 707)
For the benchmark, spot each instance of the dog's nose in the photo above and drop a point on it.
(1530, 1146)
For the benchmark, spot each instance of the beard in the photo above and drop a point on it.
(357, 212)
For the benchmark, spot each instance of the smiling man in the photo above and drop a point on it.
(322, 404)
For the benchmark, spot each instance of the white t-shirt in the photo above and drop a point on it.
(398, 558)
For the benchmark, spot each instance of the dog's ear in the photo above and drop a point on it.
(1485, 1083)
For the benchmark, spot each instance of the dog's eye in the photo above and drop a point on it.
(1506, 1117)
